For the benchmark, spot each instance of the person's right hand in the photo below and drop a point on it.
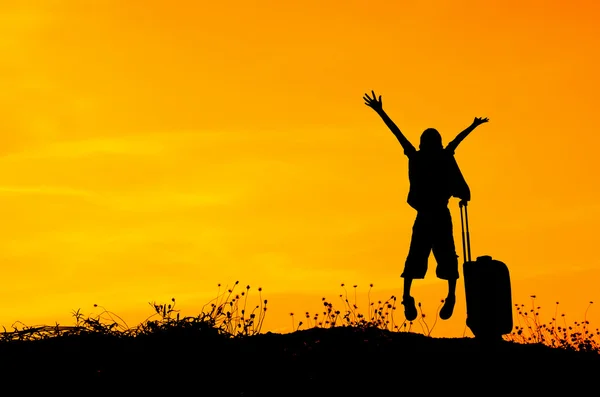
(373, 103)
(480, 120)
(462, 203)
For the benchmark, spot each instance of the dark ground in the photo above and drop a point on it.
(334, 362)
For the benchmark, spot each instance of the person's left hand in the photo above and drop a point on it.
(373, 103)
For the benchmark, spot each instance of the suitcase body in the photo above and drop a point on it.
(488, 297)
(487, 292)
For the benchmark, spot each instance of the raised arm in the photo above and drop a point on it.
(459, 138)
(377, 106)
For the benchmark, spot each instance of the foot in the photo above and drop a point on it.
(410, 311)
(448, 308)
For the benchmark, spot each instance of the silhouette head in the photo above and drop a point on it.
(431, 140)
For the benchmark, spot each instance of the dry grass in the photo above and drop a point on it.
(231, 314)
(223, 350)
(577, 335)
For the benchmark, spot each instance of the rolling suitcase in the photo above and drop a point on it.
(487, 290)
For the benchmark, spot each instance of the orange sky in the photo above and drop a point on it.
(155, 149)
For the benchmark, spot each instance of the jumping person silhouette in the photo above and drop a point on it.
(434, 178)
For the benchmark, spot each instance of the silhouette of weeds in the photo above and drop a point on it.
(530, 329)
(379, 315)
(228, 314)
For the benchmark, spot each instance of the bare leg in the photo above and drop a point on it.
(410, 310)
(451, 288)
(448, 308)
(407, 285)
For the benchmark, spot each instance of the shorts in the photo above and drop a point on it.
(432, 231)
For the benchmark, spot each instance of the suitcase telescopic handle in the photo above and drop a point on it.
(466, 239)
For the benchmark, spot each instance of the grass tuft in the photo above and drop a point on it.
(230, 314)
(576, 336)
